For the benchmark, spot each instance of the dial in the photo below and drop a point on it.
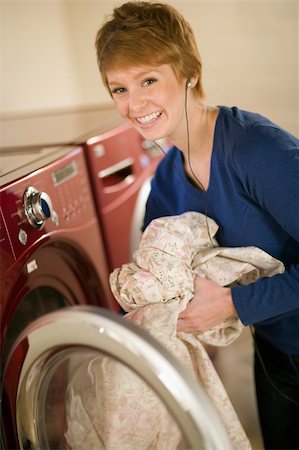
(38, 207)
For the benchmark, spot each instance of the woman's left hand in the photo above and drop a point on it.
(210, 305)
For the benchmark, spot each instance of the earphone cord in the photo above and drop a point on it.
(191, 169)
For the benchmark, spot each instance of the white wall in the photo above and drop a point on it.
(249, 49)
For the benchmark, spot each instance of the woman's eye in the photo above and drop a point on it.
(119, 90)
(149, 81)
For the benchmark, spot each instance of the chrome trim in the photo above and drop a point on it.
(95, 328)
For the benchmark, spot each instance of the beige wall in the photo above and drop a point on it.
(249, 49)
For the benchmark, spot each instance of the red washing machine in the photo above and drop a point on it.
(66, 354)
(51, 250)
(121, 165)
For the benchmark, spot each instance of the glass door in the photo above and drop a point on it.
(83, 377)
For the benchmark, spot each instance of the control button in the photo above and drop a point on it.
(144, 161)
(99, 150)
(55, 218)
(23, 237)
(38, 207)
(65, 213)
(32, 266)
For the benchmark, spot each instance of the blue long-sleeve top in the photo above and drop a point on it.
(253, 195)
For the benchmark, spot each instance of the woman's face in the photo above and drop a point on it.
(151, 98)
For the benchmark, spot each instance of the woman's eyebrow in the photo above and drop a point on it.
(140, 75)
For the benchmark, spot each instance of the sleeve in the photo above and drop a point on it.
(268, 164)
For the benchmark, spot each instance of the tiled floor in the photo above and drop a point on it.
(235, 367)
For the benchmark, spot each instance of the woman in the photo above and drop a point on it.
(236, 167)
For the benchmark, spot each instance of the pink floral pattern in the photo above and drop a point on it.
(116, 409)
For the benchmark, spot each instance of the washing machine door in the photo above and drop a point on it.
(84, 377)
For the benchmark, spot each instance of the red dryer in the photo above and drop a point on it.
(121, 164)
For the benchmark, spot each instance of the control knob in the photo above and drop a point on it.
(38, 207)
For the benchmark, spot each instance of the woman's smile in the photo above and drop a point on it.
(149, 119)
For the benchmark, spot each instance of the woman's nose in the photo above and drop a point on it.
(137, 101)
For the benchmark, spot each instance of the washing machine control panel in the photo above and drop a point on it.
(56, 197)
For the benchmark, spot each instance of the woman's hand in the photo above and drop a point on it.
(211, 305)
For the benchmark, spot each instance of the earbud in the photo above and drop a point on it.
(189, 84)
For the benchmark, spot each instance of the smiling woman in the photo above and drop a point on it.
(235, 166)
(149, 95)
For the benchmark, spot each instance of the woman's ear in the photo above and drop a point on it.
(191, 82)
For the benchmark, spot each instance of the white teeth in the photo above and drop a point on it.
(146, 119)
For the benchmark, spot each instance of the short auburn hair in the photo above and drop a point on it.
(145, 33)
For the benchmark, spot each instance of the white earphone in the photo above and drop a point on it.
(189, 84)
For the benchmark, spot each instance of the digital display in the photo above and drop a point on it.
(65, 172)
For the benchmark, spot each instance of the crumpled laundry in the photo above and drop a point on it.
(118, 409)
